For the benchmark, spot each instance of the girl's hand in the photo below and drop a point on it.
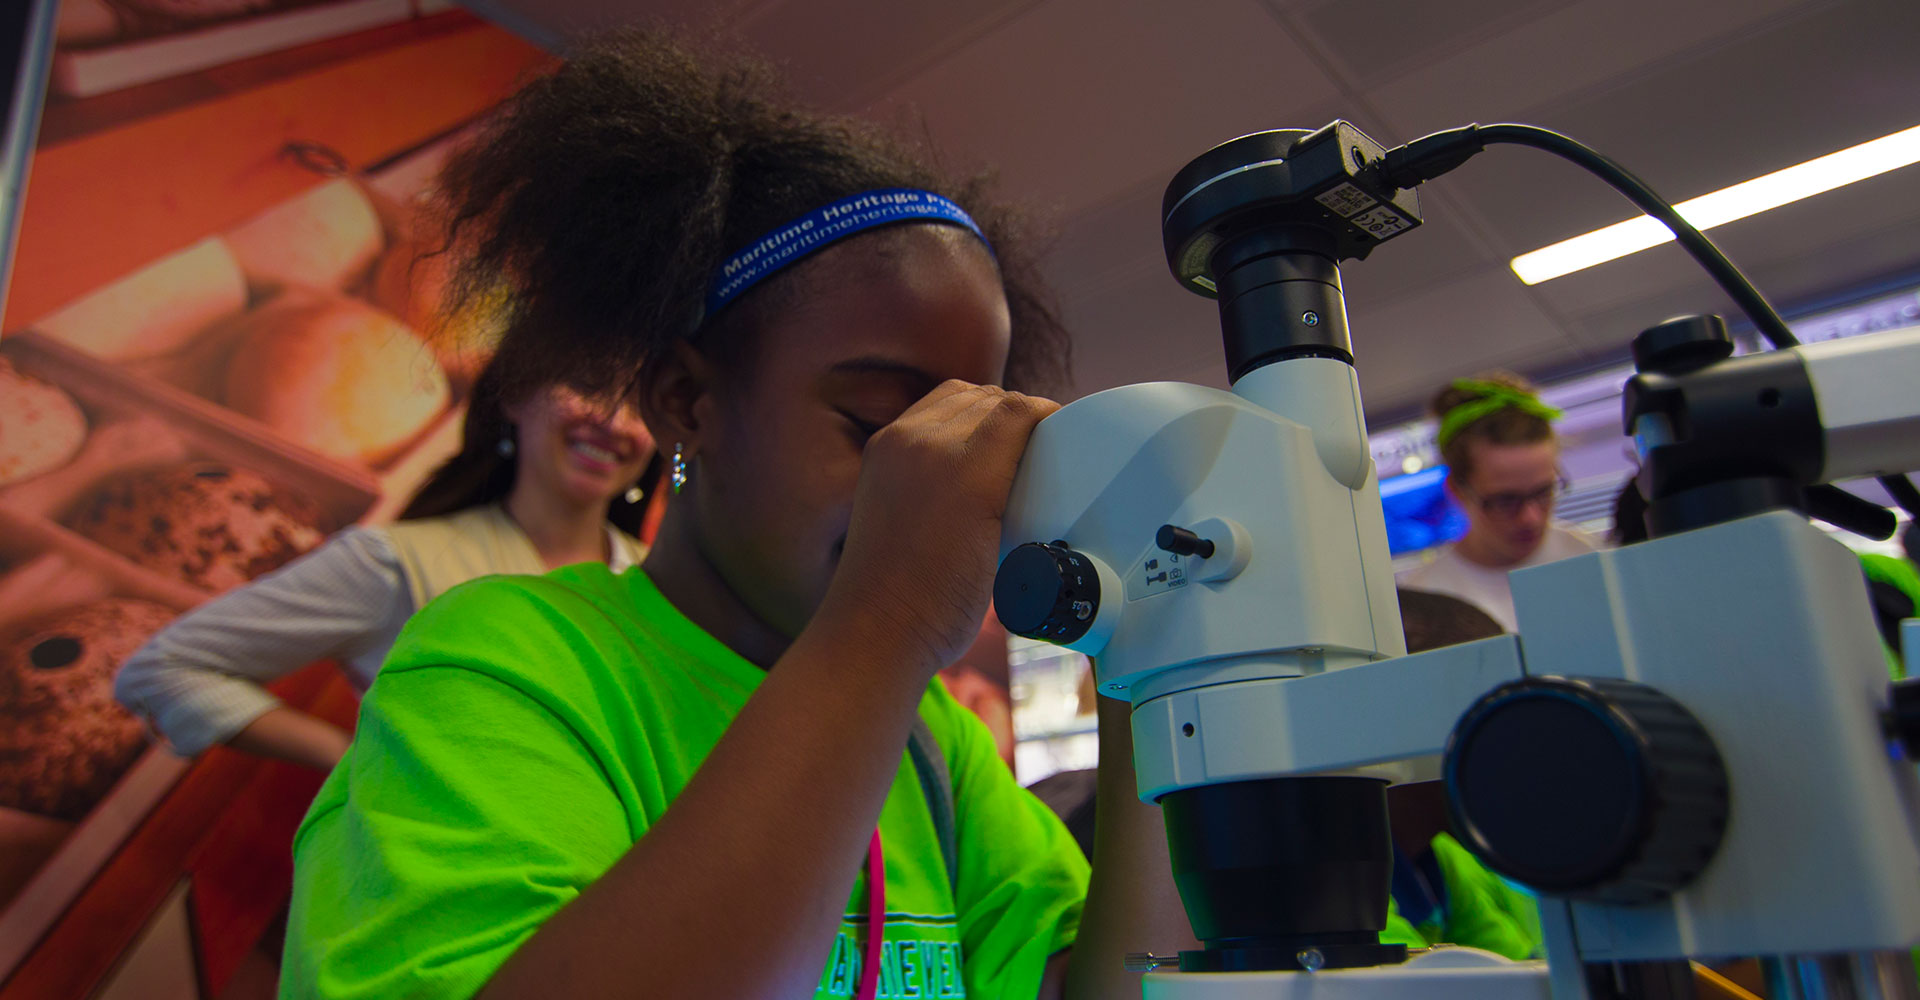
(924, 540)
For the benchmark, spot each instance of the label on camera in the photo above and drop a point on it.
(1346, 199)
(1382, 222)
(1158, 573)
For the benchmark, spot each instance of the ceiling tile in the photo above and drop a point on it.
(1721, 116)
(1374, 41)
(1409, 344)
(1785, 235)
(1112, 237)
(1080, 99)
(1590, 44)
(1793, 254)
(1143, 327)
(847, 53)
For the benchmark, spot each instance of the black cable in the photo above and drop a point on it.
(1428, 157)
(1748, 298)
(1903, 492)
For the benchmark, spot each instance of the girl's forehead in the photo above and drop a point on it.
(925, 296)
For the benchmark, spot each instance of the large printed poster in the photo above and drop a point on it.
(219, 347)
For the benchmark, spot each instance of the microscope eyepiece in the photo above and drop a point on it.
(1262, 222)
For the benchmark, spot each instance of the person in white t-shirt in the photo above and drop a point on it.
(1503, 467)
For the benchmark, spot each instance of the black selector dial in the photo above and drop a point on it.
(1046, 591)
(1587, 788)
(1681, 345)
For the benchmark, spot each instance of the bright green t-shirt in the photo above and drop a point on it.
(526, 731)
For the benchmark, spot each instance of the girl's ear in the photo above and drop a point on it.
(676, 397)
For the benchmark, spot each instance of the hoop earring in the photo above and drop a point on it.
(679, 469)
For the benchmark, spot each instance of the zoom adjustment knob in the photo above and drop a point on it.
(1050, 592)
(1587, 788)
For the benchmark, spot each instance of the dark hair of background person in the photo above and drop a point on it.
(1505, 426)
(1433, 620)
(1629, 515)
(607, 194)
(478, 474)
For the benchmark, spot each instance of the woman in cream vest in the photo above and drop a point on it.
(539, 483)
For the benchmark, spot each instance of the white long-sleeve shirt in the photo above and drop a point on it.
(1453, 574)
(200, 681)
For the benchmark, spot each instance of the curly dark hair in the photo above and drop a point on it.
(606, 195)
(1506, 426)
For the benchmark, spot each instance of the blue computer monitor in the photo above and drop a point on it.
(1420, 513)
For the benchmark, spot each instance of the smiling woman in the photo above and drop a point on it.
(539, 482)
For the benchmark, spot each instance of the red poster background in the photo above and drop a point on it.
(164, 141)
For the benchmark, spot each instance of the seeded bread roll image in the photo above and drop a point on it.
(41, 427)
(63, 739)
(209, 524)
(337, 375)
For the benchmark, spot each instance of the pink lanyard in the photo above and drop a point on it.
(876, 920)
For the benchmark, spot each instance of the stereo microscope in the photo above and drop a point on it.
(1690, 749)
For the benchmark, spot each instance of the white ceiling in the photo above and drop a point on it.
(1087, 107)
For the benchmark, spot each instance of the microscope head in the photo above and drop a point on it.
(1192, 539)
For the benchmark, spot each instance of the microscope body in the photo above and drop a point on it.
(1688, 750)
(1280, 656)
(1760, 627)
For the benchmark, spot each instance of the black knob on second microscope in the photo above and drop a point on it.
(1046, 591)
(1587, 788)
(1681, 345)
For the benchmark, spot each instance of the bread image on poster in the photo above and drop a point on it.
(64, 741)
(326, 238)
(336, 375)
(221, 343)
(41, 427)
(157, 310)
(208, 524)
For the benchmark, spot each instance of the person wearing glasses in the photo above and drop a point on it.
(1503, 468)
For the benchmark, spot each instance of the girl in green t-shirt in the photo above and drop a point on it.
(816, 327)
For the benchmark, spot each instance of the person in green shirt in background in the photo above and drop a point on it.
(690, 779)
(1893, 585)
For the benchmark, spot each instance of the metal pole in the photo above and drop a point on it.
(28, 91)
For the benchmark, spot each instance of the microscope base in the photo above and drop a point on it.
(1441, 974)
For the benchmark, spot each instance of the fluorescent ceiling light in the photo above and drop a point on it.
(1725, 205)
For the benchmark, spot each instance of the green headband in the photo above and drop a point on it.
(1494, 397)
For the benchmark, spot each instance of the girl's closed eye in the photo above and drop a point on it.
(861, 428)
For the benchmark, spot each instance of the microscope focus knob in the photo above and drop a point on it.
(1047, 591)
(1587, 788)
